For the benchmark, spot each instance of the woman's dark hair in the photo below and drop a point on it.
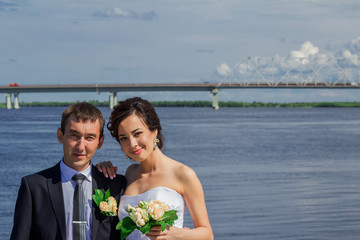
(143, 109)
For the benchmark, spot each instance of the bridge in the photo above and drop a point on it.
(113, 89)
(252, 72)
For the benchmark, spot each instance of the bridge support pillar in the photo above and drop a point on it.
(16, 101)
(215, 100)
(112, 99)
(8, 100)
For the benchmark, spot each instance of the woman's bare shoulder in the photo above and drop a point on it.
(184, 172)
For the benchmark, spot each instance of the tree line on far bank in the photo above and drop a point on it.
(199, 104)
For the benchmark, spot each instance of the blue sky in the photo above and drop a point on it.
(143, 41)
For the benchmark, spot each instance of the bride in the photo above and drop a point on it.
(135, 124)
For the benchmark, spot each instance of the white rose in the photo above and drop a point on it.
(140, 222)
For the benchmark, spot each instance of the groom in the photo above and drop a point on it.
(45, 203)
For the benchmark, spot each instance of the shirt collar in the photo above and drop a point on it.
(68, 172)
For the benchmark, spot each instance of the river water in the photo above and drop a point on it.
(267, 173)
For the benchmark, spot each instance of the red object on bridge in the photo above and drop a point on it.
(14, 85)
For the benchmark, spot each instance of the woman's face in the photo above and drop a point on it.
(135, 138)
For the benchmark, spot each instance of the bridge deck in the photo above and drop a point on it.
(163, 87)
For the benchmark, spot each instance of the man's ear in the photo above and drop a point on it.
(60, 135)
(101, 141)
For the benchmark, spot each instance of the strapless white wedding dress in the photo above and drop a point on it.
(167, 195)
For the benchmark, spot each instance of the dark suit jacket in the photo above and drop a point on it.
(39, 211)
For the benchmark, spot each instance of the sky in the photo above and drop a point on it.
(162, 41)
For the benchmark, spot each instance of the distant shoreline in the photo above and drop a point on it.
(200, 104)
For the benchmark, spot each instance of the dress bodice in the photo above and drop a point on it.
(167, 195)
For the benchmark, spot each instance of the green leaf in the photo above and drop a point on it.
(124, 235)
(163, 225)
(146, 228)
(170, 215)
(107, 194)
(98, 196)
(99, 193)
(126, 225)
(119, 224)
(170, 222)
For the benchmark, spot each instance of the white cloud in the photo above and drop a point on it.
(118, 12)
(307, 50)
(351, 58)
(354, 45)
(243, 68)
(304, 65)
(223, 69)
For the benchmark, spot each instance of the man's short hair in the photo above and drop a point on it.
(83, 111)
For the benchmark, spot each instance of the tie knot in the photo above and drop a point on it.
(78, 178)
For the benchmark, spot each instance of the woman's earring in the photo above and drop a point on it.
(156, 140)
(127, 157)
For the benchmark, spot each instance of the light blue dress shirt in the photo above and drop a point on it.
(68, 187)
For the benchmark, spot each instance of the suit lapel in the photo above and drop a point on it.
(96, 181)
(56, 197)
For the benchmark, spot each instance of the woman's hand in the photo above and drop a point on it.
(107, 169)
(170, 233)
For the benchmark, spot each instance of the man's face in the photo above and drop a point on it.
(80, 142)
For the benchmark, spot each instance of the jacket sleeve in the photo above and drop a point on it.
(23, 213)
(119, 185)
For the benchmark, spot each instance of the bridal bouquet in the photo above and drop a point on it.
(146, 215)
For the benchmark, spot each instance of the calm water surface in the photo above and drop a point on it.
(267, 173)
